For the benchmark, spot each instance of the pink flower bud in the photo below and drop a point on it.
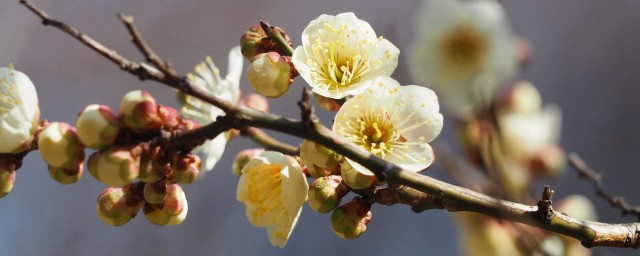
(97, 127)
(270, 74)
(172, 211)
(350, 220)
(186, 167)
(138, 111)
(170, 117)
(255, 41)
(60, 147)
(155, 193)
(256, 101)
(250, 39)
(115, 166)
(325, 193)
(68, 175)
(242, 158)
(116, 206)
(153, 166)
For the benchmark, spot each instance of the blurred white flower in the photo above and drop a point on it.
(393, 122)
(207, 76)
(339, 54)
(19, 110)
(273, 188)
(464, 50)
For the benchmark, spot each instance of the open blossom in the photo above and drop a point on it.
(393, 122)
(465, 50)
(339, 54)
(19, 111)
(207, 76)
(273, 189)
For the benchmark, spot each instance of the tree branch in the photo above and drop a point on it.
(263, 139)
(584, 171)
(445, 195)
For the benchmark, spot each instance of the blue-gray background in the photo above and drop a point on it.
(586, 59)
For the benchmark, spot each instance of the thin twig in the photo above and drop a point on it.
(595, 177)
(263, 139)
(276, 37)
(142, 45)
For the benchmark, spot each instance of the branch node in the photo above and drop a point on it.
(309, 119)
(545, 210)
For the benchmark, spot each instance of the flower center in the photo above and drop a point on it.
(374, 132)
(463, 48)
(264, 190)
(341, 59)
(8, 94)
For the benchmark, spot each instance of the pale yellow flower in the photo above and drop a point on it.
(273, 189)
(19, 110)
(339, 54)
(393, 122)
(207, 77)
(464, 50)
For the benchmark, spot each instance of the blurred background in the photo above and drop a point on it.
(585, 59)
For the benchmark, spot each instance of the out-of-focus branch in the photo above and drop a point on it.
(263, 139)
(443, 195)
(595, 177)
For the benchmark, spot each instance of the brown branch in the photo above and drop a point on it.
(445, 195)
(142, 45)
(595, 177)
(263, 139)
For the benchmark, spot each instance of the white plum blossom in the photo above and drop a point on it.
(464, 50)
(393, 122)
(19, 110)
(339, 54)
(207, 77)
(273, 188)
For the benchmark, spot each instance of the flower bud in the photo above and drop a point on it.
(242, 158)
(172, 211)
(256, 101)
(320, 161)
(97, 127)
(270, 74)
(60, 147)
(350, 220)
(152, 168)
(170, 117)
(578, 207)
(325, 193)
(250, 39)
(550, 161)
(68, 175)
(522, 97)
(355, 179)
(155, 193)
(255, 41)
(138, 111)
(117, 205)
(327, 103)
(186, 167)
(7, 177)
(115, 166)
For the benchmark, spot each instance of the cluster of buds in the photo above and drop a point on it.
(528, 133)
(127, 149)
(161, 203)
(334, 178)
(270, 71)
